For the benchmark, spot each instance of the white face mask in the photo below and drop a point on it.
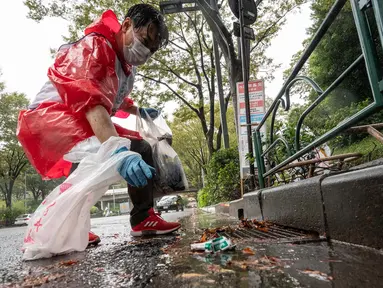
(137, 53)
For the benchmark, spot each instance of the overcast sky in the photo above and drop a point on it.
(25, 47)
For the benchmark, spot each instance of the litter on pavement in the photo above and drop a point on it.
(215, 245)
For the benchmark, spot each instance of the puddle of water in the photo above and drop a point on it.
(273, 265)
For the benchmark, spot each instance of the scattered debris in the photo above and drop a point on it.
(190, 275)
(248, 251)
(68, 263)
(214, 245)
(212, 233)
(263, 263)
(331, 261)
(317, 274)
(254, 224)
(30, 281)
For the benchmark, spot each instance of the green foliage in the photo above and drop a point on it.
(94, 210)
(203, 198)
(38, 187)
(185, 201)
(12, 157)
(8, 215)
(190, 143)
(222, 178)
(370, 147)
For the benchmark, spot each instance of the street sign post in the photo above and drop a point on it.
(249, 32)
(248, 8)
(257, 111)
(246, 12)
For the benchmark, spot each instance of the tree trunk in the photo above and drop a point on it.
(8, 196)
(235, 75)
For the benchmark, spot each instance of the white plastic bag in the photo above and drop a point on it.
(62, 222)
(162, 125)
(170, 175)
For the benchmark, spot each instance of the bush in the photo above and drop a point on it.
(93, 210)
(9, 215)
(185, 201)
(223, 178)
(202, 198)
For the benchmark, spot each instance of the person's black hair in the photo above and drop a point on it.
(144, 14)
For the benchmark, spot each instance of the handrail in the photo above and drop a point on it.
(374, 71)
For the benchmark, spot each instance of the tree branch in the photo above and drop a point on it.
(178, 46)
(173, 91)
(266, 33)
(198, 32)
(175, 73)
(219, 30)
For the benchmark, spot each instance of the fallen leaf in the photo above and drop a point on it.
(331, 261)
(31, 281)
(164, 250)
(263, 229)
(248, 251)
(309, 271)
(68, 263)
(214, 268)
(317, 274)
(274, 259)
(203, 238)
(190, 275)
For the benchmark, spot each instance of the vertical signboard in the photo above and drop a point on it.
(257, 111)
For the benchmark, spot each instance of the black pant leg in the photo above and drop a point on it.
(142, 198)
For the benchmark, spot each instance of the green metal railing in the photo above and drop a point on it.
(374, 71)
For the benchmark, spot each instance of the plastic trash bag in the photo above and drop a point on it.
(170, 176)
(162, 126)
(62, 222)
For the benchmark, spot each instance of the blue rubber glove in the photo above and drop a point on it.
(153, 113)
(134, 170)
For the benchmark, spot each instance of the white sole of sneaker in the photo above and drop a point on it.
(152, 232)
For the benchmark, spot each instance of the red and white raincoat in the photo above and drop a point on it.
(87, 73)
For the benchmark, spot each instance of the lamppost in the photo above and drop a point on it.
(177, 6)
(114, 197)
(25, 192)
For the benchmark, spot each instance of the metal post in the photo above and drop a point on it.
(246, 91)
(114, 200)
(25, 192)
(225, 132)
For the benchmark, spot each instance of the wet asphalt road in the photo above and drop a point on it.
(114, 233)
(166, 261)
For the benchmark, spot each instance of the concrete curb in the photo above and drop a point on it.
(220, 208)
(347, 206)
(236, 208)
(252, 205)
(297, 205)
(354, 206)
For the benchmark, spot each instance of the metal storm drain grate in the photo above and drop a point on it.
(262, 232)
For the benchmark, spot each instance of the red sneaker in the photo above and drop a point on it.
(93, 239)
(154, 225)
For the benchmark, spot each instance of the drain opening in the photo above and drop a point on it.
(259, 231)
